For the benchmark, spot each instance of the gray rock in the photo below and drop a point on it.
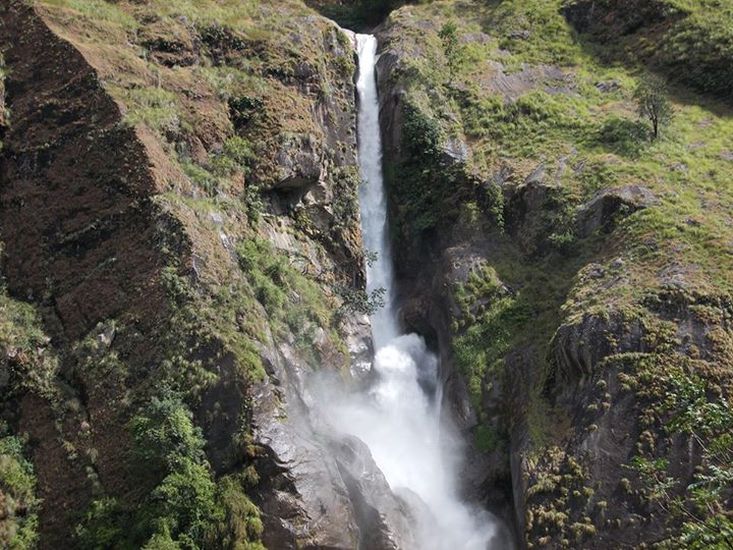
(298, 162)
(579, 346)
(603, 210)
(382, 517)
(608, 86)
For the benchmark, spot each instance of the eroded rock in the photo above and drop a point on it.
(603, 211)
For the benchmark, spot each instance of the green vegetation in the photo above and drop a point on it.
(292, 301)
(451, 48)
(679, 402)
(22, 345)
(651, 96)
(491, 316)
(153, 106)
(691, 41)
(356, 14)
(19, 520)
(549, 123)
(187, 508)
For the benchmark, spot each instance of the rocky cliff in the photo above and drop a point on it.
(181, 249)
(181, 254)
(575, 276)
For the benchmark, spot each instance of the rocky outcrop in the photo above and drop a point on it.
(603, 211)
(540, 279)
(127, 236)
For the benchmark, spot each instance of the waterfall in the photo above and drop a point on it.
(396, 418)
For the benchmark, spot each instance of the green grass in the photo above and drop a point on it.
(97, 11)
(153, 106)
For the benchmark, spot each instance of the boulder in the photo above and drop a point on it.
(298, 162)
(603, 211)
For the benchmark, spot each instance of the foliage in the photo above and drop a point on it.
(236, 156)
(451, 48)
(23, 344)
(165, 433)
(19, 520)
(690, 41)
(357, 14)
(653, 104)
(490, 318)
(427, 181)
(186, 508)
(289, 297)
(356, 300)
(690, 409)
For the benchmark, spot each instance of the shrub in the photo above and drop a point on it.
(19, 519)
(164, 434)
(653, 104)
(236, 156)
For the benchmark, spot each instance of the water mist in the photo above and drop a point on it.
(395, 417)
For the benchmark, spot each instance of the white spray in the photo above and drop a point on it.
(398, 421)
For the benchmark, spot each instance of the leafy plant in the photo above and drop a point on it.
(448, 35)
(653, 103)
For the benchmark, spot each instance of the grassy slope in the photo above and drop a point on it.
(587, 140)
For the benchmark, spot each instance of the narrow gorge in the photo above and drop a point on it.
(366, 274)
(400, 416)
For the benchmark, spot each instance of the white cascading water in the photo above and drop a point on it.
(396, 418)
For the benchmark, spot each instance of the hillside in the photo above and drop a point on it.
(182, 264)
(588, 265)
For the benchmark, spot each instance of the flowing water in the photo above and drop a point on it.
(397, 418)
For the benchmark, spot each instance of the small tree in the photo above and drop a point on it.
(449, 36)
(653, 104)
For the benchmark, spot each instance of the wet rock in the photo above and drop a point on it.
(382, 517)
(303, 500)
(603, 211)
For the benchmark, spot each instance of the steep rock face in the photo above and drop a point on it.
(564, 303)
(183, 217)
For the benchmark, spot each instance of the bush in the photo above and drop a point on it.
(19, 519)
(185, 508)
(243, 110)
(236, 156)
(164, 434)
